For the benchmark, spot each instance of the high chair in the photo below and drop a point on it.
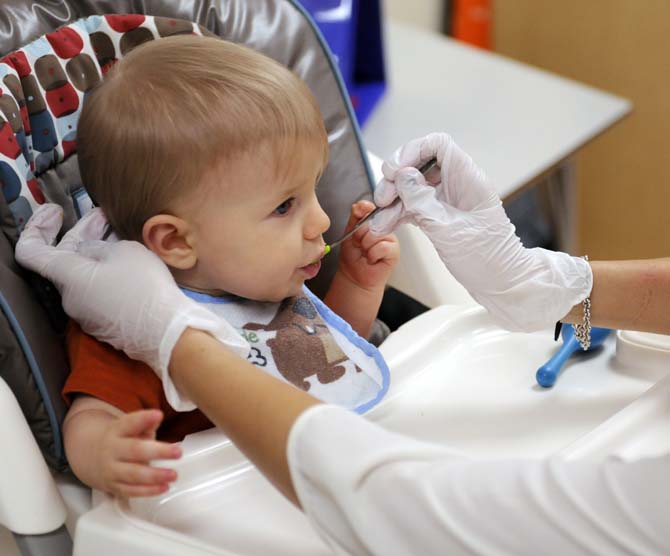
(51, 54)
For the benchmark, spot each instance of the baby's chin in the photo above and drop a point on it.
(274, 296)
(280, 296)
(291, 290)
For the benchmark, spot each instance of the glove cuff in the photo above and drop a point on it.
(555, 282)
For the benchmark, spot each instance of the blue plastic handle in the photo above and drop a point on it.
(548, 373)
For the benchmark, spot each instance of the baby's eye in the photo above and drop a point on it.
(285, 207)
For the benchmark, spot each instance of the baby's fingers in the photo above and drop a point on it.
(387, 251)
(135, 491)
(127, 489)
(140, 474)
(369, 239)
(141, 423)
(140, 450)
(358, 211)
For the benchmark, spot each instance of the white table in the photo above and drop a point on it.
(517, 122)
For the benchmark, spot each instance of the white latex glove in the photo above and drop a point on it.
(119, 292)
(523, 289)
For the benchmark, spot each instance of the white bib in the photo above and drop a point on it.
(302, 341)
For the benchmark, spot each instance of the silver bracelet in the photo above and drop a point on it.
(583, 331)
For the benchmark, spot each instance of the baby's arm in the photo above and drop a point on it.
(111, 450)
(366, 262)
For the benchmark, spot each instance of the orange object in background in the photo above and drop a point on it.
(471, 22)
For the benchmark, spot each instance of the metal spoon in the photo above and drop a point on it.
(424, 169)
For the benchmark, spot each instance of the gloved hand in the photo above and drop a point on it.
(523, 289)
(119, 292)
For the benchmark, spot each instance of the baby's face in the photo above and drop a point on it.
(258, 231)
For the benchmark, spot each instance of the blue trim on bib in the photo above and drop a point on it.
(366, 347)
(332, 319)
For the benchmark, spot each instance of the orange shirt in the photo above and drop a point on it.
(99, 370)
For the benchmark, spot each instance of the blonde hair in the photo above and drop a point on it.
(175, 107)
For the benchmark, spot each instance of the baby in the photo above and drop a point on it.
(209, 153)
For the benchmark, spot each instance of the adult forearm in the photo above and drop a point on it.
(255, 410)
(630, 295)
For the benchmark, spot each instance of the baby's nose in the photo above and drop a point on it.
(317, 222)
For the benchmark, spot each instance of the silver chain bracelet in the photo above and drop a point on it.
(583, 331)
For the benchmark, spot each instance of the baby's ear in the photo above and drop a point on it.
(170, 237)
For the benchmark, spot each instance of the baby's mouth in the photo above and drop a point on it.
(326, 250)
(311, 269)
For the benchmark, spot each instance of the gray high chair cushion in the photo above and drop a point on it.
(31, 353)
(34, 375)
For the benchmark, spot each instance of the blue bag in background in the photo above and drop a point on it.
(352, 29)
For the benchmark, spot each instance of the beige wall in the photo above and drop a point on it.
(426, 14)
(621, 46)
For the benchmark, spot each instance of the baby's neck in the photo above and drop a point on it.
(213, 293)
(190, 281)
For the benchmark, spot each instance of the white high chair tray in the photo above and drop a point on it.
(457, 379)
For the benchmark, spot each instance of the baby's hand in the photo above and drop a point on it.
(367, 259)
(126, 450)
